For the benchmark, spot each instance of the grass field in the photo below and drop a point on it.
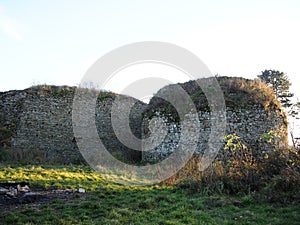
(109, 203)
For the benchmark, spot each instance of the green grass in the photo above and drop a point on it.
(108, 203)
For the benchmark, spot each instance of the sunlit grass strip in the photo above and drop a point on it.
(63, 177)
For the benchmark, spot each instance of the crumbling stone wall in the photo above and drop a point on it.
(40, 120)
(257, 128)
(252, 113)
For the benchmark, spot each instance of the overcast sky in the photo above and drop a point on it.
(55, 42)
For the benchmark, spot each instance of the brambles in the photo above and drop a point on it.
(275, 178)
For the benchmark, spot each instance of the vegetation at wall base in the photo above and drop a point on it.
(183, 199)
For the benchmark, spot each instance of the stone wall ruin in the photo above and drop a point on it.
(39, 121)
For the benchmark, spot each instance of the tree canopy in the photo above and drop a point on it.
(280, 84)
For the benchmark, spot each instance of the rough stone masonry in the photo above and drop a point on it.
(36, 123)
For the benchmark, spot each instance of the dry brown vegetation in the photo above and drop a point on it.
(273, 178)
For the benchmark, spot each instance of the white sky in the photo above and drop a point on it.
(56, 41)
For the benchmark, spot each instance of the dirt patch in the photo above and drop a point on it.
(37, 197)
